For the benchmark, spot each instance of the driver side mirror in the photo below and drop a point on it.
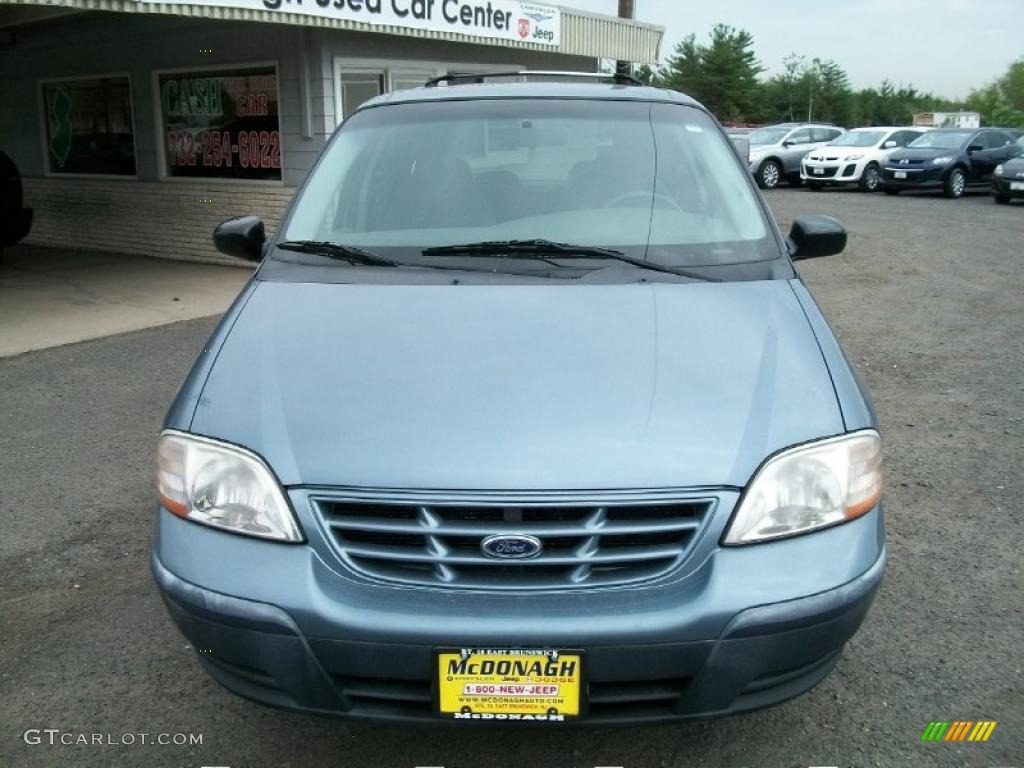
(788, 143)
(889, 144)
(242, 237)
(813, 235)
(974, 148)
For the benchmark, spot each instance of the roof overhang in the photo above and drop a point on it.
(581, 33)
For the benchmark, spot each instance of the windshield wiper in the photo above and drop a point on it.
(348, 253)
(361, 257)
(535, 248)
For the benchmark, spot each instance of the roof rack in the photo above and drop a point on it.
(479, 77)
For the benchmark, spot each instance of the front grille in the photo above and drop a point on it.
(606, 700)
(582, 545)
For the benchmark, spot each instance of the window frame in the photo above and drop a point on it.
(45, 128)
(391, 67)
(158, 124)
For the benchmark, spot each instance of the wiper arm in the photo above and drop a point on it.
(517, 249)
(361, 257)
(338, 251)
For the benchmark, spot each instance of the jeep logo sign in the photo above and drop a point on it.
(493, 19)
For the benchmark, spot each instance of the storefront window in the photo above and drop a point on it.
(88, 126)
(221, 123)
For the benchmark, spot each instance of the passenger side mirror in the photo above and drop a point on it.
(974, 148)
(889, 144)
(788, 143)
(813, 235)
(242, 237)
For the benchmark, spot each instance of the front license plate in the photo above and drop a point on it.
(1017, 186)
(819, 171)
(899, 174)
(516, 684)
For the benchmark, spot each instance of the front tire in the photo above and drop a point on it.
(871, 179)
(769, 174)
(955, 184)
(1003, 199)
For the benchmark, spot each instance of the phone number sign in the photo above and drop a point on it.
(221, 123)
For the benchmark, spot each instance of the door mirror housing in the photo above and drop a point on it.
(242, 237)
(889, 144)
(813, 235)
(974, 148)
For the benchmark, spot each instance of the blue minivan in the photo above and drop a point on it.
(525, 415)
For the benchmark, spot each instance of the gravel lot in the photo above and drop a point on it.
(927, 302)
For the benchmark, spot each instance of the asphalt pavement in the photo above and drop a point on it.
(927, 301)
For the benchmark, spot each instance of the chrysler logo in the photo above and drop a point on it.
(512, 546)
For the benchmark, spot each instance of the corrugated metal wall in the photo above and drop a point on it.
(583, 34)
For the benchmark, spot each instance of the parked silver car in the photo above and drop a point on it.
(776, 150)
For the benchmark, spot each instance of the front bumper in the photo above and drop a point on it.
(740, 628)
(917, 178)
(832, 172)
(1001, 185)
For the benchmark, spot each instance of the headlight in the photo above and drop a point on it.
(809, 487)
(223, 486)
(999, 170)
(942, 160)
(853, 157)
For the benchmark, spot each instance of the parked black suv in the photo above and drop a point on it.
(950, 159)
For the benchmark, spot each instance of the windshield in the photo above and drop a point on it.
(767, 135)
(941, 140)
(655, 181)
(858, 139)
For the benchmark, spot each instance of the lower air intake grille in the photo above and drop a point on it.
(580, 545)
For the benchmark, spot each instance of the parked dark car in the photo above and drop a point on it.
(525, 415)
(15, 218)
(950, 159)
(1008, 179)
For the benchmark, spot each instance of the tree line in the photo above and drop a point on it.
(724, 74)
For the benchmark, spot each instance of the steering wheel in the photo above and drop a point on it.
(669, 202)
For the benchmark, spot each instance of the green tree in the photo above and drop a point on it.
(722, 75)
(1001, 102)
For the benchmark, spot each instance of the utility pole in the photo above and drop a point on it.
(625, 12)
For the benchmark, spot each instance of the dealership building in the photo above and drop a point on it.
(139, 124)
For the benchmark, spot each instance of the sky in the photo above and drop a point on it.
(943, 46)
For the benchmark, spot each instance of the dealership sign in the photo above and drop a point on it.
(495, 19)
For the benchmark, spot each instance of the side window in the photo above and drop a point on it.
(991, 140)
(834, 133)
(902, 138)
(803, 136)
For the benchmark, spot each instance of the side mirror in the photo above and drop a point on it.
(812, 236)
(242, 236)
(889, 144)
(974, 148)
(788, 143)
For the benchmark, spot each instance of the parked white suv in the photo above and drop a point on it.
(856, 157)
(776, 150)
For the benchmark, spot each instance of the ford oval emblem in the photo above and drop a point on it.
(511, 546)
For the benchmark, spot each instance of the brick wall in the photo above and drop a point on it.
(171, 220)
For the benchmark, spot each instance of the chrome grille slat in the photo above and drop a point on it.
(546, 529)
(585, 542)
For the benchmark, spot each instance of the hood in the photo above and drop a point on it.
(1013, 167)
(518, 387)
(920, 155)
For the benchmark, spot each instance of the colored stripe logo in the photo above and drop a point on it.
(958, 730)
